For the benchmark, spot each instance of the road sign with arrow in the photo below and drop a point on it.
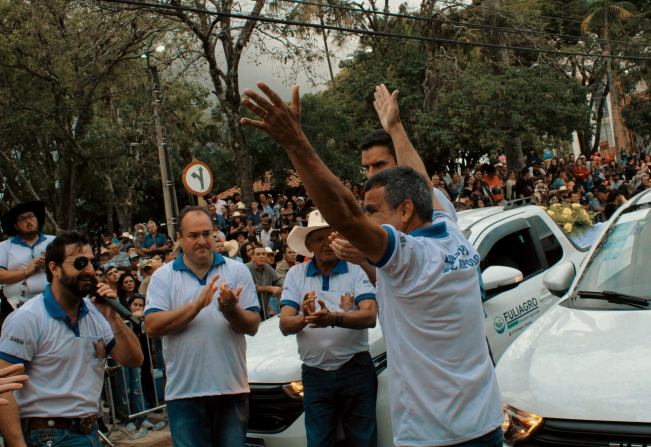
(197, 178)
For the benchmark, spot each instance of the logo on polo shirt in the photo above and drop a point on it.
(100, 349)
(347, 302)
(403, 241)
(499, 324)
(15, 339)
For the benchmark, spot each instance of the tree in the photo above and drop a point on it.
(603, 12)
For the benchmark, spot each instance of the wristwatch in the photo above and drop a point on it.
(339, 320)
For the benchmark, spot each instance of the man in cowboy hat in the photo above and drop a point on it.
(338, 371)
(22, 256)
(126, 241)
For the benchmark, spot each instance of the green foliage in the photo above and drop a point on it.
(637, 116)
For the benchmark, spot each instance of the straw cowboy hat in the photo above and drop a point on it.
(296, 239)
(126, 235)
(231, 247)
(9, 218)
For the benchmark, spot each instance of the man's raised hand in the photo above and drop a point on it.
(386, 106)
(227, 299)
(280, 121)
(346, 251)
(13, 383)
(206, 296)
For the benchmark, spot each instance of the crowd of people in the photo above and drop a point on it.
(332, 262)
(600, 184)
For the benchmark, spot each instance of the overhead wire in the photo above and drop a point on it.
(366, 32)
(465, 24)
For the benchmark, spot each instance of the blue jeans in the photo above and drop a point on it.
(209, 420)
(492, 439)
(62, 438)
(351, 392)
(136, 398)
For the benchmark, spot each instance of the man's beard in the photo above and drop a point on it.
(71, 283)
(27, 235)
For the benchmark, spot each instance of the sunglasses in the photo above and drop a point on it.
(82, 262)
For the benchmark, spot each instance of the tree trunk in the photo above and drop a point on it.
(28, 186)
(500, 59)
(327, 52)
(611, 76)
(109, 215)
(73, 187)
(600, 117)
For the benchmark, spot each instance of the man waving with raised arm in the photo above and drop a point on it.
(442, 384)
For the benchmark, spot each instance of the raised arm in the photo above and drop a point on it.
(337, 205)
(386, 106)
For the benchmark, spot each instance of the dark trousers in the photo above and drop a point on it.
(351, 392)
(217, 421)
(492, 439)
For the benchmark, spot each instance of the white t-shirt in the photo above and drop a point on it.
(15, 254)
(265, 237)
(341, 291)
(207, 357)
(65, 364)
(445, 203)
(442, 384)
(218, 206)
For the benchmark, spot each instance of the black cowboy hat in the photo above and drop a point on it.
(488, 168)
(9, 218)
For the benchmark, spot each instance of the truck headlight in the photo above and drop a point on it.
(518, 424)
(294, 390)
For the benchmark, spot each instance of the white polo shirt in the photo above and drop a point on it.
(16, 254)
(65, 363)
(341, 291)
(207, 357)
(442, 384)
(445, 203)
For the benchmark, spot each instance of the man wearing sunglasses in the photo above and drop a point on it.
(63, 338)
(22, 256)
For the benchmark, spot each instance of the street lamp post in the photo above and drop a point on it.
(169, 191)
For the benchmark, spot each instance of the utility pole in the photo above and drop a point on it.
(169, 192)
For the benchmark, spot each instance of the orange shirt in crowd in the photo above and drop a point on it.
(495, 181)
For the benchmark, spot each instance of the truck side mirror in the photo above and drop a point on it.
(559, 278)
(499, 276)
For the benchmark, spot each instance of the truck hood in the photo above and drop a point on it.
(273, 358)
(586, 365)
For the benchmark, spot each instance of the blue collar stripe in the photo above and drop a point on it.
(437, 231)
(19, 241)
(179, 265)
(54, 309)
(340, 268)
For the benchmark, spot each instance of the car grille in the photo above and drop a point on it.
(270, 409)
(563, 432)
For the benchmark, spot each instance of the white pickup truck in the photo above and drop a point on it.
(517, 244)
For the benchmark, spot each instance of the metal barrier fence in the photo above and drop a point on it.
(119, 383)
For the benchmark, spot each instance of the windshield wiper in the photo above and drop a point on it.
(616, 297)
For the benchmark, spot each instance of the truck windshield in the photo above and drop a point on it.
(620, 264)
